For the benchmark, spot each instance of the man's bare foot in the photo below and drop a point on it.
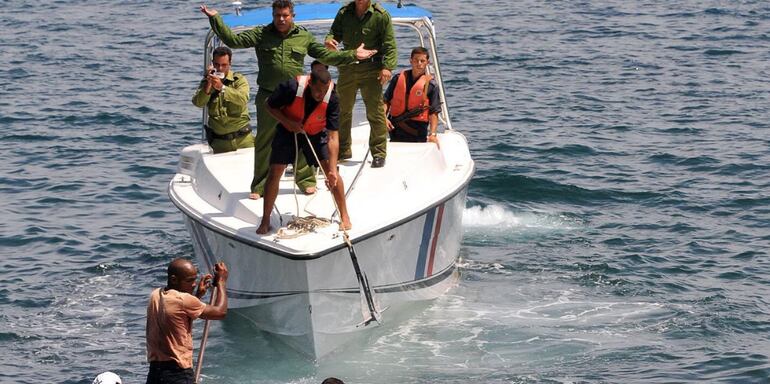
(345, 225)
(254, 196)
(263, 229)
(310, 190)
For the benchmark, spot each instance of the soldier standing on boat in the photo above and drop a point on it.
(413, 102)
(281, 47)
(170, 314)
(225, 94)
(361, 22)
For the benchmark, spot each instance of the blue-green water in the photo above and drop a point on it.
(617, 228)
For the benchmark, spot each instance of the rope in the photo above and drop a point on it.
(302, 225)
(363, 281)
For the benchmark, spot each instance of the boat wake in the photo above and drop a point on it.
(495, 217)
(558, 329)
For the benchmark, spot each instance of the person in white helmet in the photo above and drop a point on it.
(107, 378)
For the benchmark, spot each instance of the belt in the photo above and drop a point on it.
(233, 135)
(373, 59)
(407, 129)
(164, 365)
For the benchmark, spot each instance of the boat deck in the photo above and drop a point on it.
(416, 176)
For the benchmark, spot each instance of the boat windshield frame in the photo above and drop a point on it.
(421, 25)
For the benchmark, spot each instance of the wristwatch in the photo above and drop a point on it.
(223, 89)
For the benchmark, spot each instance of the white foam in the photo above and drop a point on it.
(489, 216)
(499, 217)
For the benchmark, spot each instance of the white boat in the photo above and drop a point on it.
(314, 290)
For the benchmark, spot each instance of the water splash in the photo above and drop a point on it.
(501, 218)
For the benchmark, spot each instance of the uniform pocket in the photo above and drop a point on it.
(298, 53)
(235, 110)
(214, 109)
(266, 54)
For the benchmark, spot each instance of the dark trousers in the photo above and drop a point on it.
(168, 372)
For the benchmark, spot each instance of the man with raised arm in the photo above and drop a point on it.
(170, 314)
(281, 47)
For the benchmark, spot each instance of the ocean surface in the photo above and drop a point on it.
(617, 229)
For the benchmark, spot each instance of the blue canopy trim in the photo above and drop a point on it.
(316, 12)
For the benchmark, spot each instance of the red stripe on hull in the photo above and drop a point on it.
(435, 240)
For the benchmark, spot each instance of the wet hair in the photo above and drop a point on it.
(281, 4)
(222, 51)
(332, 380)
(320, 75)
(419, 51)
(316, 62)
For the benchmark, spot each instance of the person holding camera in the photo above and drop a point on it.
(170, 314)
(281, 47)
(225, 94)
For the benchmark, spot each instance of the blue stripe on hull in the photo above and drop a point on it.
(427, 229)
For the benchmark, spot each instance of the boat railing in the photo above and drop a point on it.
(421, 26)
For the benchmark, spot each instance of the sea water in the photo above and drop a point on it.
(616, 231)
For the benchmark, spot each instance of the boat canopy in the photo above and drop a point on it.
(319, 13)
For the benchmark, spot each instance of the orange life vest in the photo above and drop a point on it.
(418, 97)
(316, 122)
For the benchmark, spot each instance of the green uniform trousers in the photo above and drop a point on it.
(220, 146)
(364, 77)
(266, 126)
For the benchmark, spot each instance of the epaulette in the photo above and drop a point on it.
(378, 7)
(351, 6)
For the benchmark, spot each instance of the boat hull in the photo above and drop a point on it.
(313, 303)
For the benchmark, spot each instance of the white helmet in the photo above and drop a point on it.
(107, 378)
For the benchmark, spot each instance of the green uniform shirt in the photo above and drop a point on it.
(375, 30)
(279, 58)
(228, 110)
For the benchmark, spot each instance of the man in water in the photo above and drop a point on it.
(307, 105)
(225, 94)
(281, 47)
(413, 102)
(361, 22)
(170, 314)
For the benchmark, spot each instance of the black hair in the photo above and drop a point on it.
(281, 4)
(320, 75)
(419, 51)
(316, 62)
(332, 380)
(221, 51)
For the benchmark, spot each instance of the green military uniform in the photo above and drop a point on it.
(280, 58)
(375, 30)
(228, 113)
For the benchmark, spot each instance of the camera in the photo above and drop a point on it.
(220, 75)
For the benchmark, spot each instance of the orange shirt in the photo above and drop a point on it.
(169, 326)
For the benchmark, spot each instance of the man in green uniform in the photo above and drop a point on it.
(226, 95)
(361, 22)
(281, 48)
